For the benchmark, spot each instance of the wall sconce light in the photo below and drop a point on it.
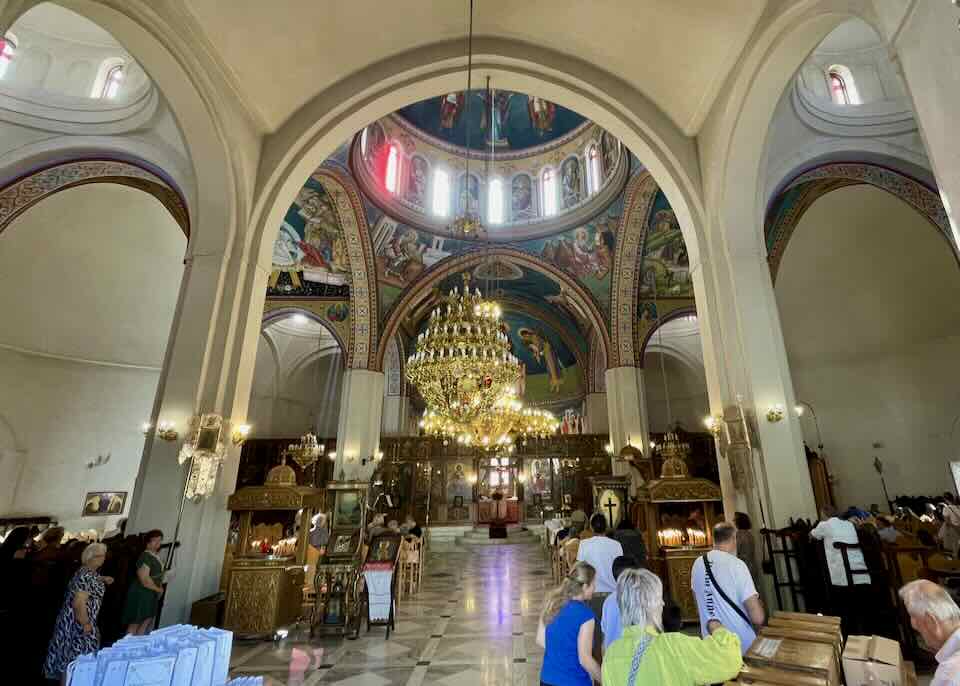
(522, 478)
(775, 413)
(609, 448)
(167, 431)
(145, 427)
(799, 409)
(332, 455)
(240, 434)
(472, 479)
(714, 425)
(653, 445)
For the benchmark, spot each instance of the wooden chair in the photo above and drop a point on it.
(410, 567)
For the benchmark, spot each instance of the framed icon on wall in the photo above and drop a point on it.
(104, 503)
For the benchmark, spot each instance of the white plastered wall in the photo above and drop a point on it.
(872, 329)
(88, 284)
(296, 381)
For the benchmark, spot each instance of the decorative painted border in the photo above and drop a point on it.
(800, 193)
(22, 194)
(356, 233)
(640, 194)
(429, 278)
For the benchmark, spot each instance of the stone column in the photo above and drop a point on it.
(928, 51)
(358, 431)
(627, 412)
(746, 364)
(595, 418)
(396, 416)
(208, 368)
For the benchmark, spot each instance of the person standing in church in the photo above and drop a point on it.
(76, 631)
(145, 590)
(566, 631)
(850, 602)
(724, 589)
(599, 551)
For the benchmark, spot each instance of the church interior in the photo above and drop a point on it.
(368, 322)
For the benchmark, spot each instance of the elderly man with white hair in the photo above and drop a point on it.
(936, 617)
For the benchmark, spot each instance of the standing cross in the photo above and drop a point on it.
(611, 505)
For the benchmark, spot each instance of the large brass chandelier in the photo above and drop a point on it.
(463, 365)
(468, 377)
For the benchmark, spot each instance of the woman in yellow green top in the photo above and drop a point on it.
(646, 655)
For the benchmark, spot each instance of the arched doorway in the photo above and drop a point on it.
(91, 278)
(871, 328)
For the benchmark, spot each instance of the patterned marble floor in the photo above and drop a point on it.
(474, 622)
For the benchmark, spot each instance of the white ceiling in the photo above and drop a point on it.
(92, 272)
(59, 22)
(865, 274)
(282, 54)
(851, 35)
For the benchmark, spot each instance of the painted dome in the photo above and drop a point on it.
(538, 169)
(505, 120)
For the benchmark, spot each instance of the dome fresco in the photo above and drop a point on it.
(505, 119)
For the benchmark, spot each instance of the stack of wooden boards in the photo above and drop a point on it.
(798, 649)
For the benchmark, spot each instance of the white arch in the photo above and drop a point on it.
(330, 118)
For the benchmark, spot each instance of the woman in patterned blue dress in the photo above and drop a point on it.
(76, 631)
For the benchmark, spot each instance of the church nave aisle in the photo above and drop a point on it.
(473, 622)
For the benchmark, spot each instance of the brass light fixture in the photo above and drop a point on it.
(463, 365)
(306, 452)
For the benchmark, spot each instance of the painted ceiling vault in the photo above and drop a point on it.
(562, 290)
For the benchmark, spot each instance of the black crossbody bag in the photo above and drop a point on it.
(719, 588)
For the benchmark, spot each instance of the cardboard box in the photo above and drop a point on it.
(804, 657)
(800, 625)
(873, 661)
(828, 637)
(807, 617)
(759, 676)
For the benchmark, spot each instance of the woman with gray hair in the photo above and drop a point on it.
(936, 617)
(646, 655)
(76, 631)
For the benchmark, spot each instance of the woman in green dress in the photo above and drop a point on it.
(145, 590)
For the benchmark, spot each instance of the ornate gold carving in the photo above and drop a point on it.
(254, 599)
(683, 490)
(680, 574)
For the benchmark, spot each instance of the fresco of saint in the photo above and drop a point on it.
(417, 182)
(521, 195)
(542, 350)
(542, 113)
(324, 250)
(451, 105)
(570, 181)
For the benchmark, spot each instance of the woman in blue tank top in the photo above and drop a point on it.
(566, 631)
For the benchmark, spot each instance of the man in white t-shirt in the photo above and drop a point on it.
(600, 551)
(730, 574)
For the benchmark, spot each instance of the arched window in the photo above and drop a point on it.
(441, 193)
(593, 169)
(495, 202)
(8, 48)
(549, 191)
(392, 177)
(843, 91)
(109, 80)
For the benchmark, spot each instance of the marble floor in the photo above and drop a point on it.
(473, 622)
